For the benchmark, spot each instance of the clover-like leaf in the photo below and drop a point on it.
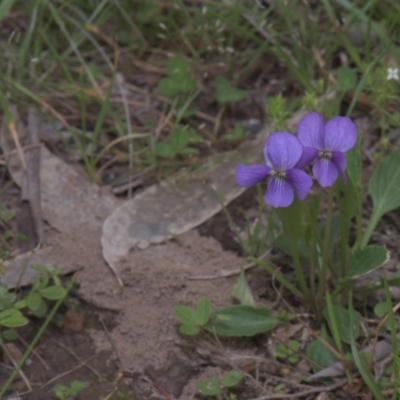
(225, 93)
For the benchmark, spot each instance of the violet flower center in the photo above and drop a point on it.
(278, 174)
(325, 154)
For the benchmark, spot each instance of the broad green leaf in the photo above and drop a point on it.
(185, 314)
(203, 311)
(163, 149)
(231, 378)
(241, 291)
(33, 300)
(225, 93)
(189, 329)
(342, 317)
(366, 260)
(320, 354)
(209, 387)
(346, 79)
(53, 292)
(242, 321)
(384, 188)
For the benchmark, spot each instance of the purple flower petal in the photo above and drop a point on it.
(310, 131)
(300, 181)
(339, 161)
(308, 156)
(325, 172)
(250, 175)
(340, 134)
(279, 193)
(283, 150)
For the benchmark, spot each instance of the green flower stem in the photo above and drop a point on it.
(312, 272)
(35, 340)
(313, 225)
(294, 249)
(325, 248)
(293, 227)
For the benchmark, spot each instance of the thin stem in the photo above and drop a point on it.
(325, 248)
(294, 250)
(35, 340)
(275, 273)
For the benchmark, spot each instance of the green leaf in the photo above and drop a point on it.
(194, 136)
(203, 311)
(9, 334)
(168, 87)
(241, 291)
(6, 298)
(185, 314)
(209, 387)
(33, 300)
(288, 351)
(189, 150)
(384, 188)
(41, 311)
(242, 321)
(320, 354)
(53, 292)
(178, 138)
(20, 304)
(189, 329)
(179, 80)
(366, 260)
(225, 93)
(343, 320)
(177, 67)
(346, 79)
(76, 387)
(381, 309)
(12, 318)
(231, 378)
(163, 149)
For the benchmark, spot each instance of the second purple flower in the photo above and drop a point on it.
(282, 151)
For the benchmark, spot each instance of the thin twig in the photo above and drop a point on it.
(78, 359)
(318, 389)
(21, 373)
(34, 352)
(82, 364)
(121, 139)
(111, 340)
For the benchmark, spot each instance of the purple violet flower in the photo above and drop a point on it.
(327, 143)
(282, 151)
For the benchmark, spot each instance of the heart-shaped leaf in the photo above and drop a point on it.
(384, 188)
